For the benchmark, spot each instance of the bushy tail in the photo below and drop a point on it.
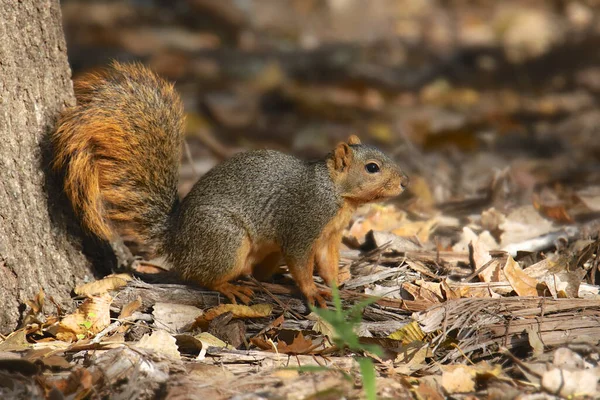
(119, 149)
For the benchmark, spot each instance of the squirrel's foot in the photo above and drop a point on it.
(319, 296)
(232, 291)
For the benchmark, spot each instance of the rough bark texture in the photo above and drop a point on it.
(35, 250)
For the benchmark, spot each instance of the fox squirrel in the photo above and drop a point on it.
(119, 149)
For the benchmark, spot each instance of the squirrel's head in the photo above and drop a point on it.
(363, 173)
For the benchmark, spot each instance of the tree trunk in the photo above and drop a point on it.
(35, 250)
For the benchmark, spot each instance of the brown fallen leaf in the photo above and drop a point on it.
(16, 341)
(56, 361)
(375, 218)
(458, 379)
(111, 282)
(559, 279)
(421, 294)
(425, 391)
(175, 318)
(419, 229)
(209, 340)
(535, 341)
(37, 304)
(34, 318)
(453, 290)
(262, 343)
(78, 382)
(522, 283)
(394, 242)
(409, 333)
(91, 317)
(130, 308)
(239, 311)
(161, 342)
(481, 256)
(462, 378)
(231, 331)
(555, 212)
(300, 345)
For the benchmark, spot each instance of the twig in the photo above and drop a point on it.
(275, 299)
(136, 316)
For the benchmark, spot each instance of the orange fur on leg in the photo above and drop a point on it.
(302, 272)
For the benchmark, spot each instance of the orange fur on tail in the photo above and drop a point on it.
(119, 150)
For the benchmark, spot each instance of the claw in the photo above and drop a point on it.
(232, 291)
(319, 296)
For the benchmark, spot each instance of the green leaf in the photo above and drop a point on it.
(367, 370)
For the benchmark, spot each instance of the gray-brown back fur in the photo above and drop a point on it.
(269, 195)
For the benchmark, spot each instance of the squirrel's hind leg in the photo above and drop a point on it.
(241, 266)
(213, 254)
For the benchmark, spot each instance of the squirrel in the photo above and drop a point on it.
(119, 150)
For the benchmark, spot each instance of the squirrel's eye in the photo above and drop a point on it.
(372, 168)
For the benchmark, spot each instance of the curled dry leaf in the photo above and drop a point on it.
(431, 291)
(394, 242)
(430, 391)
(522, 283)
(37, 303)
(131, 307)
(239, 311)
(535, 341)
(110, 282)
(554, 272)
(91, 317)
(481, 256)
(210, 340)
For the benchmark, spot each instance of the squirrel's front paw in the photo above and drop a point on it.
(232, 291)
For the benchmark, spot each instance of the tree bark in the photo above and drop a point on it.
(36, 252)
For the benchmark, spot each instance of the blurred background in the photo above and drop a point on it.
(484, 103)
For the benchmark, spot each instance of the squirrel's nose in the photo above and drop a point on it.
(404, 181)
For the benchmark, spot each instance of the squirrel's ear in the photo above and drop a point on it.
(353, 139)
(342, 157)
